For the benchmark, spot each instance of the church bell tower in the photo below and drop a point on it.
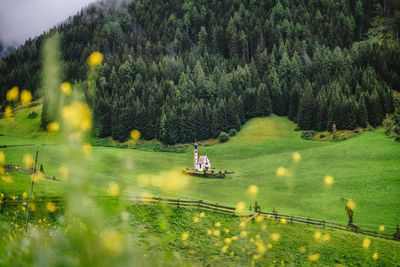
(195, 156)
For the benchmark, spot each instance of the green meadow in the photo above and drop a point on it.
(365, 169)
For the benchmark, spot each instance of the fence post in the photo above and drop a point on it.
(177, 203)
(30, 193)
(216, 204)
(396, 235)
(308, 221)
(291, 219)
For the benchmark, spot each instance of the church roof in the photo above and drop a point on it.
(203, 159)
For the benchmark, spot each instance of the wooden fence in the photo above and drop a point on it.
(201, 205)
(12, 168)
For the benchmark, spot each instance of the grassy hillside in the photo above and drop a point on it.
(162, 236)
(365, 169)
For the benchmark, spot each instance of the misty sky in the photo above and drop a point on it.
(21, 19)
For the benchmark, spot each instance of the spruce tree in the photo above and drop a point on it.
(263, 105)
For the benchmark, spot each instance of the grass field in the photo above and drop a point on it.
(155, 235)
(365, 169)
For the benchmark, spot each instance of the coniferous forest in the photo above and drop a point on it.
(185, 70)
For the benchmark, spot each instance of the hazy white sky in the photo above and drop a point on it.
(21, 19)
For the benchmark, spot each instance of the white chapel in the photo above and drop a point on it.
(202, 163)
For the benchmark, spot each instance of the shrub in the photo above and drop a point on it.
(297, 129)
(307, 135)
(356, 131)
(232, 132)
(322, 135)
(223, 137)
(32, 115)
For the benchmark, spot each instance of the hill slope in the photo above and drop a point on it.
(365, 169)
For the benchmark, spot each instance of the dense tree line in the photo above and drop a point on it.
(185, 70)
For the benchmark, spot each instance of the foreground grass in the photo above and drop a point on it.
(365, 169)
(163, 236)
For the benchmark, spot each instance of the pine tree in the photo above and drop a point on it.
(362, 114)
(307, 109)
(263, 105)
(278, 105)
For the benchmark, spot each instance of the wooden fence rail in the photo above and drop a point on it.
(11, 168)
(199, 204)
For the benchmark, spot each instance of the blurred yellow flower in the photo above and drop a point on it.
(275, 237)
(53, 127)
(224, 249)
(66, 88)
(317, 235)
(111, 241)
(253, 190)
(283, 221)
(8, 112)
(217, 224)
(328, 180)
(366, 243)
(240, 206)
(7, 179)
(202, 214)
(302, 249)
(296, 157)
(135, 134)
(350, 204)
(375, 256)
(196, 219)
(209, 232)
(226, 230)
(87, 150)
(259, 219)
(234, 238)
(326, 237)
(113, 189)
(217, 232)
(281, 171)
(313, 257)
(24, 195)
(28, 161)
(78, 116)
(95, 59)
(51, 207)
(261, 248)
(227, 240)
(243, 234)
(12, 94)
(32, 206)
(26, 97)
(382, 228)
(2, 157)
(64, 171)
(185, 236)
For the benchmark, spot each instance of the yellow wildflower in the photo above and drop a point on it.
(12, 94)
(66, 88)
(95, 59)
(328, 180)
(185, 236)
(296, 157)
